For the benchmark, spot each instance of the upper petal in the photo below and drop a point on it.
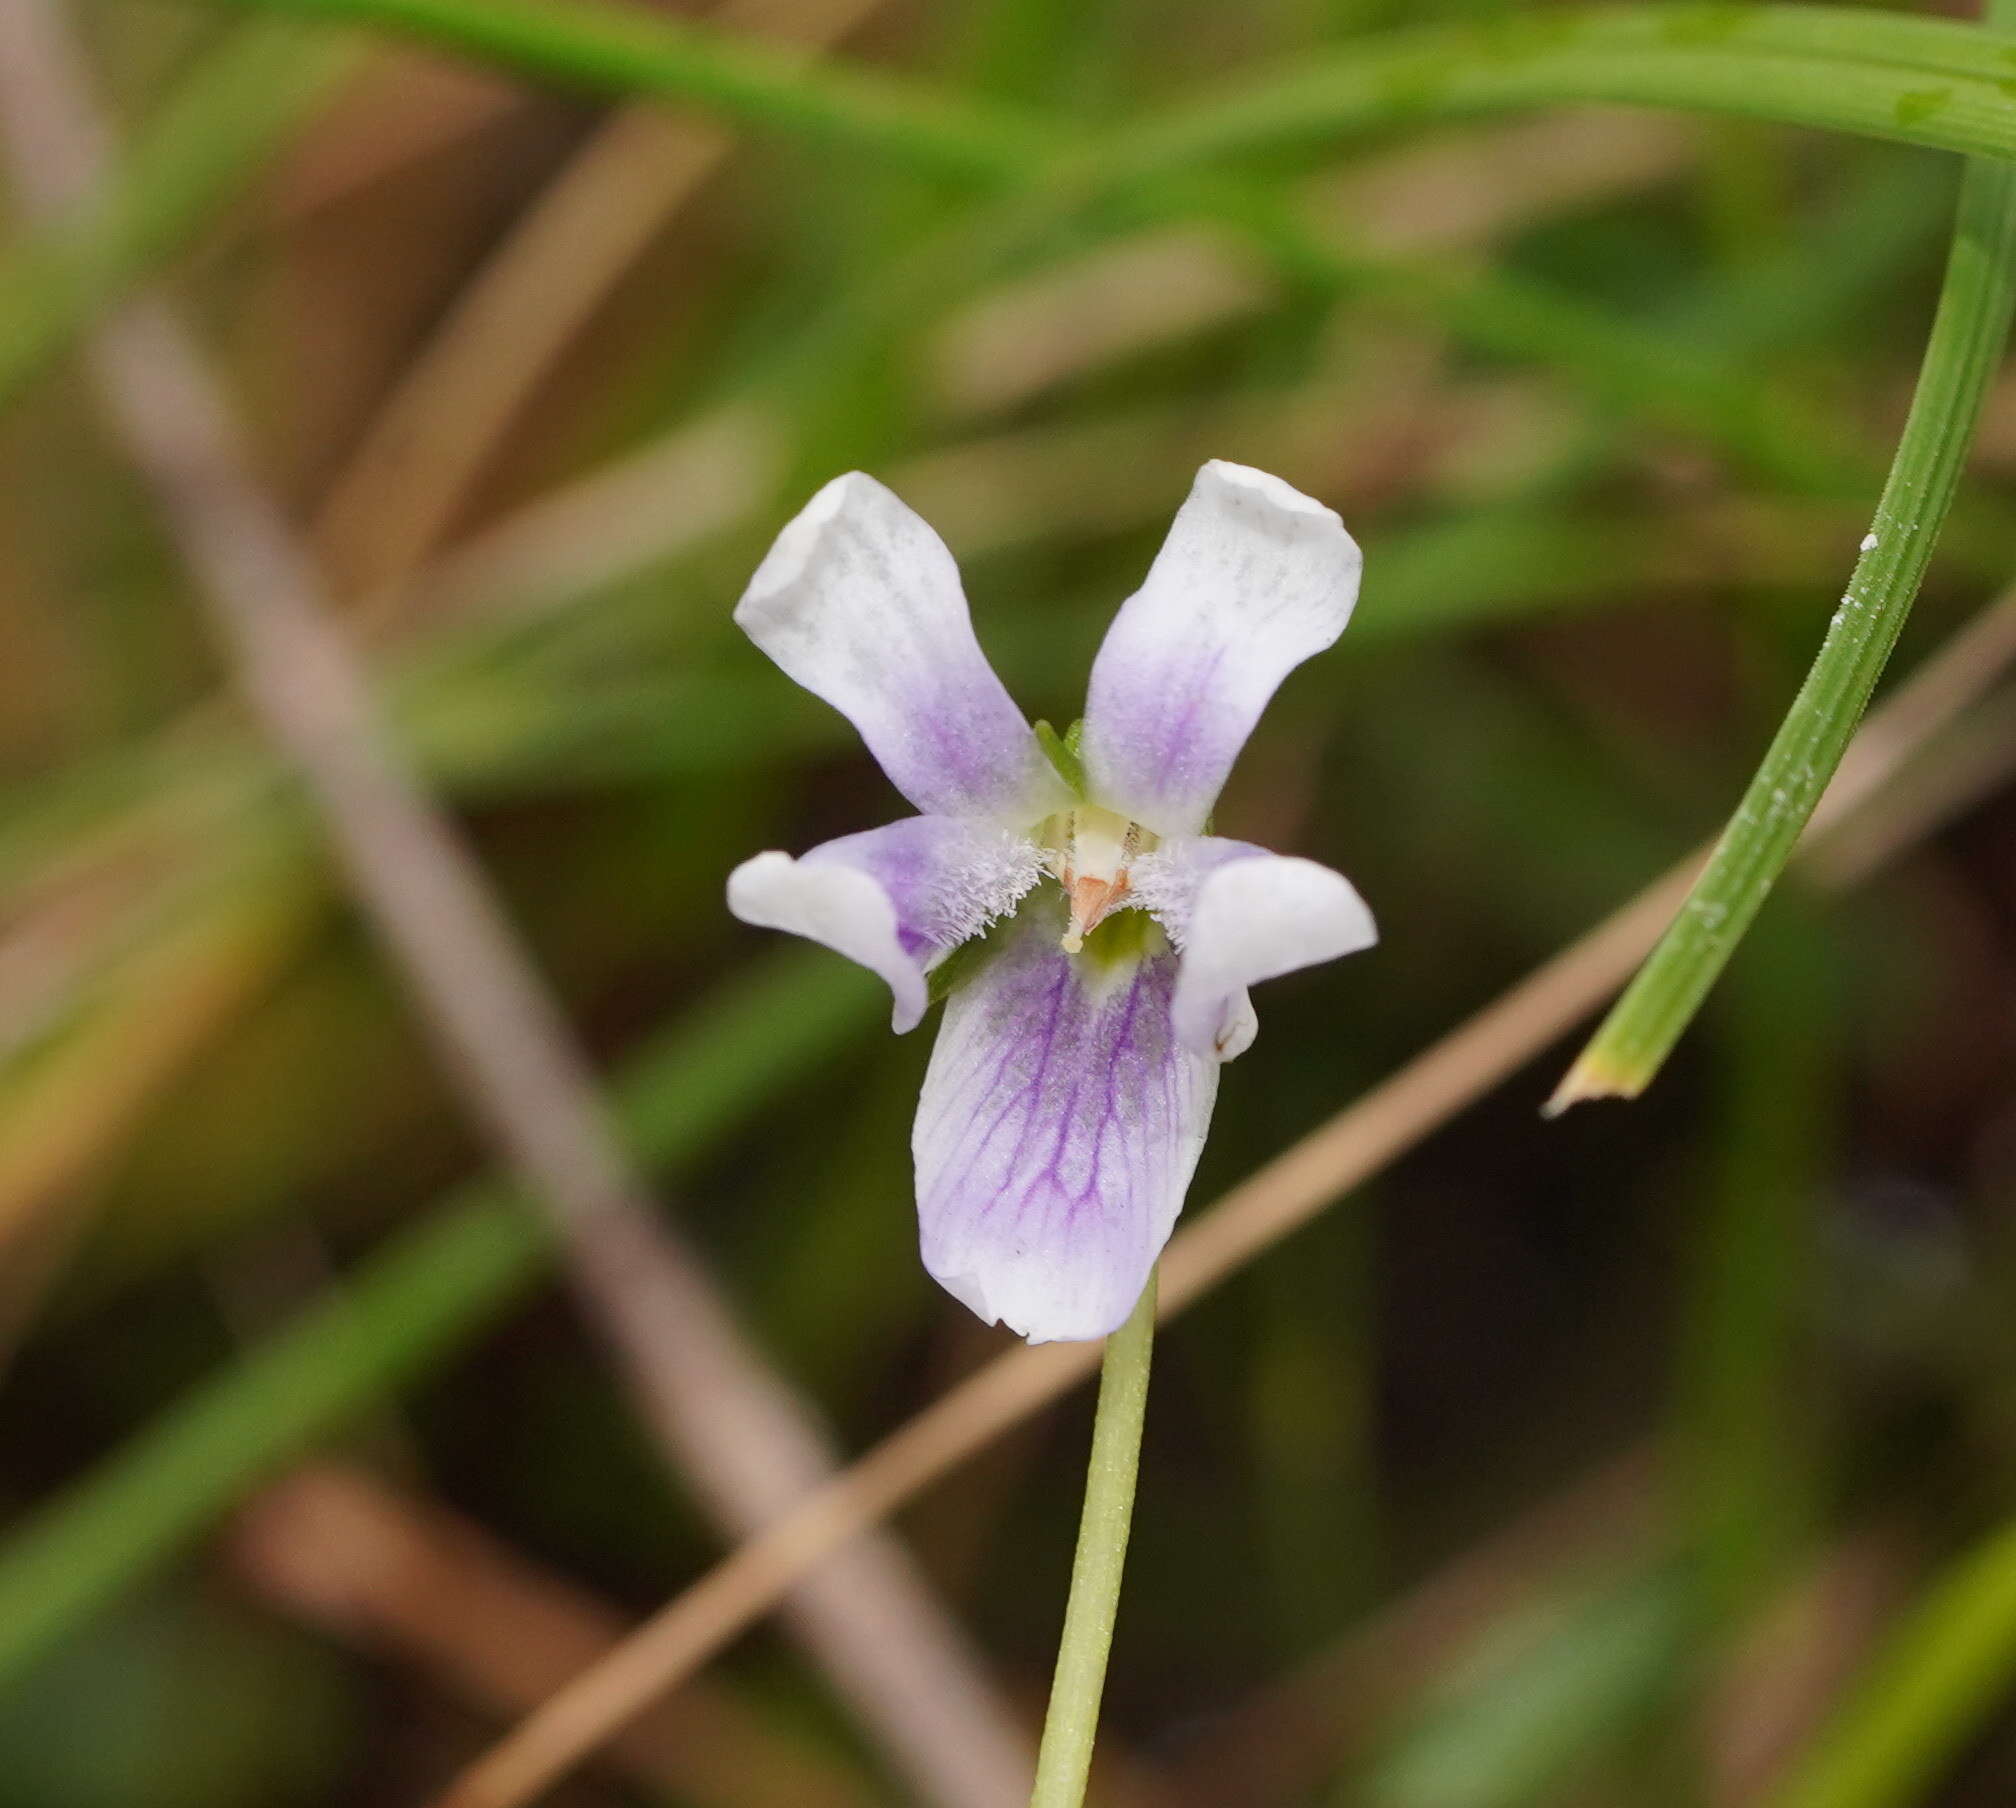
(1253, 578)
(1057, 1133)
(893, 898)
(1241, 915)
(860, 602)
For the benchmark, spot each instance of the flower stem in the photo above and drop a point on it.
(1072, 1723)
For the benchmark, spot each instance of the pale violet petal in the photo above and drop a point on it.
(1253, 579)
(894, 899)
(860, 602)
(1240, 915)
(1057, 1133)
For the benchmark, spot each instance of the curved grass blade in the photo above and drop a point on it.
(1887, 75)
(1968, 336)
(1919, 81)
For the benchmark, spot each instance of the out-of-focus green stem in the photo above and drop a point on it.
(213, 137)
(1072, 1724)
(1964, 352)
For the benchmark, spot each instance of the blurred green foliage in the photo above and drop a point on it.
(1605, 394)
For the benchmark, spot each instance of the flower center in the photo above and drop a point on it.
(1090, 850)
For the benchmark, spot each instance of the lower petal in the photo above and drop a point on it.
(1059, 1126)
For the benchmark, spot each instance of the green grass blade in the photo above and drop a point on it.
(401, 1311)
(210, 140)
(1918, 81)
(623, 50)
(1940, 1677)
(1925, 81)
(1968, 335)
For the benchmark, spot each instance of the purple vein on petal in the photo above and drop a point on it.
(1058, 1129)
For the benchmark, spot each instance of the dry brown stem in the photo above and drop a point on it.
(406, 1579)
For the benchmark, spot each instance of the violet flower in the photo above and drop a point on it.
(1068, 1097)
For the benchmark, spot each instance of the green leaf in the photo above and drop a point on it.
(1965, 350)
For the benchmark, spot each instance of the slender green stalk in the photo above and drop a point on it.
(1965, 349)
(210, 140)
(1072, 1724)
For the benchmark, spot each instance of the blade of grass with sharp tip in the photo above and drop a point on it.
(1968, 335)
(211, 139)
(430, 1290)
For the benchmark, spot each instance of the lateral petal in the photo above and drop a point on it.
(895, 899)
(1240, 915)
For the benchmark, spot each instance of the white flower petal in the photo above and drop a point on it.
(894, 898)
(1253, 579)
(1241, 915)
(860, 602)
(1059, 1126)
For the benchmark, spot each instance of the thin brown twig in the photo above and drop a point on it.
(405, 1578)
(1283, 1195)
(1973, 762)
(746, 1445)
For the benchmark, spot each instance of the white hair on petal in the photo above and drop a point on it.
(988, 877)
(1164, 885)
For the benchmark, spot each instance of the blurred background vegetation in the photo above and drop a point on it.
(1589, 1462)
